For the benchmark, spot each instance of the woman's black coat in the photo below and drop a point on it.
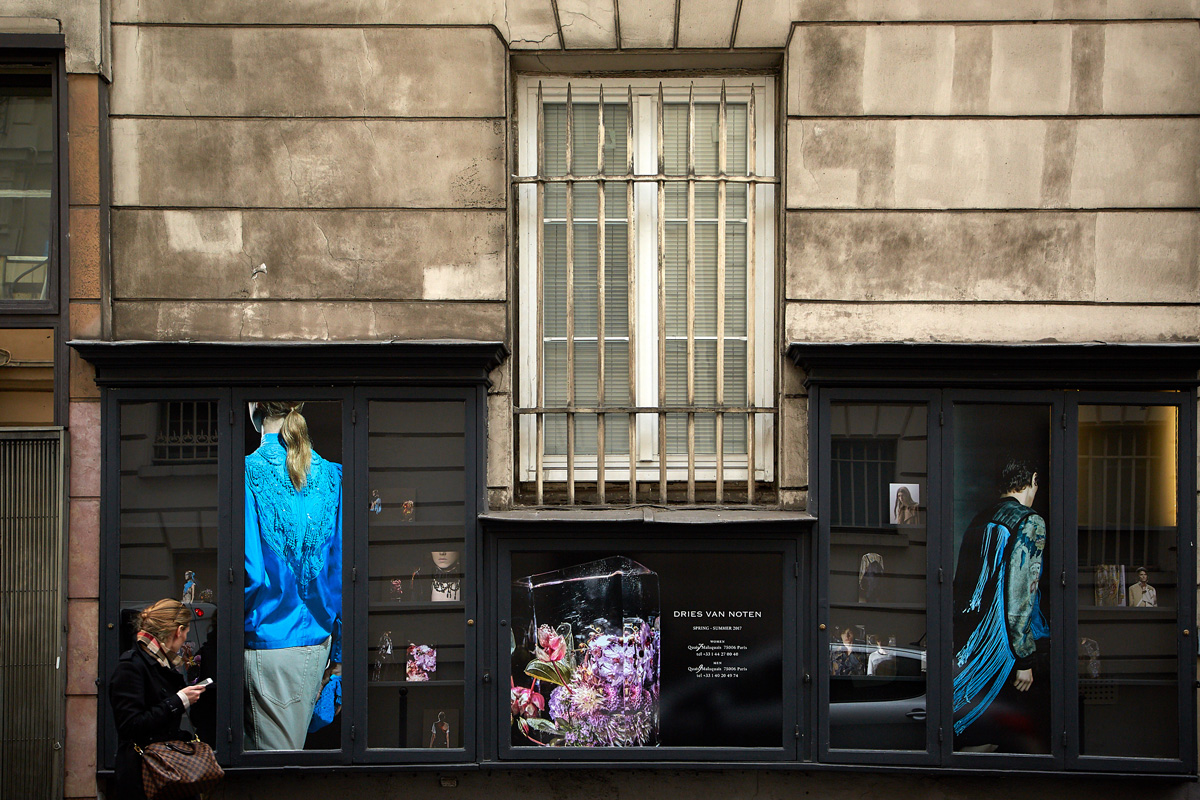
(146, 708)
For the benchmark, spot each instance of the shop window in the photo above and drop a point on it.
(366, 585)
(646, 283)
(957, 633)
(645, 649)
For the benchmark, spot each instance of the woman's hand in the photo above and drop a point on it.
(193, 693)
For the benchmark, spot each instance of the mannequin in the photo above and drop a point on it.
(293, 578)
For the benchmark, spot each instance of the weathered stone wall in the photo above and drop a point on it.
(1006, 182)
(363, 165)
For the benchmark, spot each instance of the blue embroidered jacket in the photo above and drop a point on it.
(293, 552)
(997, 608)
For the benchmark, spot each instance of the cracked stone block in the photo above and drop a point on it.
(588, 23)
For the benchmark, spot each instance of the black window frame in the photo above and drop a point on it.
(1064, 377)
(354, 375)
(48, 50)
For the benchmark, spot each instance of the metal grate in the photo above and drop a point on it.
(860, 472)
(619, 435)
(32, 681)
(187, 432)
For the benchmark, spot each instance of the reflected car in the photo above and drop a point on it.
(881, 711)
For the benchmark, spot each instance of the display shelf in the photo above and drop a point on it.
(919, 607)
(1125, 613)
(426, 605)
(411, 684)
(873, 537)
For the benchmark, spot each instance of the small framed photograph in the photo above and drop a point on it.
(441, 727)
(905, 503)
(1110, 584)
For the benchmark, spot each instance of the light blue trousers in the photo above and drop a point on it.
(281, 690)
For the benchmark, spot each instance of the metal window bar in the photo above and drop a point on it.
(602, 177)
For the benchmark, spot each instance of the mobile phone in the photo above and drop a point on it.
(204, 683)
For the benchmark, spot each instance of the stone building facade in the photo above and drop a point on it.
(964, 173)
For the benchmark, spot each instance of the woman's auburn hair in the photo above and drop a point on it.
(161, 619)
(295, 438)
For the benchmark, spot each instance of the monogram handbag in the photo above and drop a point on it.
(178, 770)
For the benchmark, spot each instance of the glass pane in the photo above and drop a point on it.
(877, 577)
(293, 590)
(1002, 646)
(415, 527)
(168, 531)
(1128, 585)
(644, 648)
(26, 376)
(26, 179)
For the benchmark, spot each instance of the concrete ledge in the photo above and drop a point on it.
(991, 322)
(312, 321)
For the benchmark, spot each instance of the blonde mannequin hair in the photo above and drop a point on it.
(295, 438)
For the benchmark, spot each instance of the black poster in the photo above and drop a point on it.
(647, 648)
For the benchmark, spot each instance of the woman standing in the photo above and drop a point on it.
(147, 691)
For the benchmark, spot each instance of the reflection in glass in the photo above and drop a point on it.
(26, 182)
(877, 583)
(1128, 584)
(416, 625)
(168, 540)
(293, 591)
(1000, 660)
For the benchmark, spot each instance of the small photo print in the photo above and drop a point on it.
(422, 662)
(905, 501)
(441, 727)
(1110, 584)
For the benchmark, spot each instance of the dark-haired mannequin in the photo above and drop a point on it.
(293, 578)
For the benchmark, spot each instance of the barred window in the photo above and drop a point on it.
(649, 379)
(187, 432)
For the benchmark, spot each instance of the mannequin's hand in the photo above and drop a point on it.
(1023, 680)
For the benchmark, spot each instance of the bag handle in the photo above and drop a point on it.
(194, 740)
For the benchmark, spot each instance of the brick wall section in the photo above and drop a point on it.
(83, 534)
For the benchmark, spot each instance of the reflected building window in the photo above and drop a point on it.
(187, 432)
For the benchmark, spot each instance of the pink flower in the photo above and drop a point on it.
(550, 645)
(526, 703)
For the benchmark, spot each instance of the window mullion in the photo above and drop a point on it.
(647, 279)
